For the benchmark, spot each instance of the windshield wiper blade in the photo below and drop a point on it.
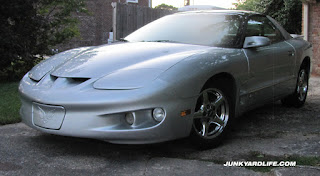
(123, 40)
(169, 41)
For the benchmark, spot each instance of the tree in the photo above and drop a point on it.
(247, 5)
(166, 7)
(287, 12)
(29, 27)
(59, 23)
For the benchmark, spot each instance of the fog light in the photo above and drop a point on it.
(129, 118)
(158, 114)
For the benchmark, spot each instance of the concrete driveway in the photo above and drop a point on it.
(272, 132)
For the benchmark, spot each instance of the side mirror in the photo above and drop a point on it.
(256, 41)
(296, 36)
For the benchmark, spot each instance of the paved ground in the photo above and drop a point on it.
(267, 133)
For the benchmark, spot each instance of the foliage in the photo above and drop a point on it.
(250, 5)
(28, 28)
(166, 7)
(310, 1)
(19, 25)
(287, 12)
(9, 103)
(58, 19)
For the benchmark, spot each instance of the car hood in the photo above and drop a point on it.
(102, 60)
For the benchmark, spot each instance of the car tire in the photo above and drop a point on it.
(298, 98)
(212, 117)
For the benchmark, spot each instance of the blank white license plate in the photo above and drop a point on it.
(47, 116)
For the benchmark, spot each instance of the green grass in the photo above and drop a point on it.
(9, 103)
(306, 160)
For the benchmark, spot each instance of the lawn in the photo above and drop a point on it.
(9, 103)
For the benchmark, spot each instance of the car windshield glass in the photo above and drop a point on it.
(196, 28)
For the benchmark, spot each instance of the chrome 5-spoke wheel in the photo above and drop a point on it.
(302, 85)
(211, 117)
(298, 98)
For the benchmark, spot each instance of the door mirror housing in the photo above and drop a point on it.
(256, 41)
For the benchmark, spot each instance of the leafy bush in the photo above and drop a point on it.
(28, 28)
(287, 12)
(166, 7)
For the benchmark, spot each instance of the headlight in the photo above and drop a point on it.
(127, 79)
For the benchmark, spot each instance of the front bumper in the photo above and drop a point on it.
(99, 114)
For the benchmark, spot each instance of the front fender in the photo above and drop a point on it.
(189, 76)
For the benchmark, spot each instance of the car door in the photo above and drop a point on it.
(263, 61)
(285, 80)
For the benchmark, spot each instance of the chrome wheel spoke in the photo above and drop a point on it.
(198, 114)
(205, 128)
(305, 88)
(301, 93)
(217, 120)
(302, 76)
(219, 101)
(299, 90)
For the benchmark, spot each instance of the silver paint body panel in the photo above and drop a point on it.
(97, 86)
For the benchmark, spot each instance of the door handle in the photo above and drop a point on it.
(291, 53)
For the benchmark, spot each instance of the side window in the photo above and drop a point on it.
(262, 26)
(229, 33)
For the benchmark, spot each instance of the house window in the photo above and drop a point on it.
(132, 1)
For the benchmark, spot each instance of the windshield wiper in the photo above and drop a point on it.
(123, 40)
(169, 41)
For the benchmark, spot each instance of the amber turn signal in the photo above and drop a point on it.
(185, 112)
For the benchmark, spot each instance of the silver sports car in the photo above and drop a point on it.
(186, 74)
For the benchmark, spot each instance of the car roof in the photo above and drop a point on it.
(229, 12)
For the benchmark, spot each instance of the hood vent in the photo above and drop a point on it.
(34, 79)
(53, 78)
(77, 80)
(63, 82)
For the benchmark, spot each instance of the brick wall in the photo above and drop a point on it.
(302, 21)
(94, 28)
(314, 34)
